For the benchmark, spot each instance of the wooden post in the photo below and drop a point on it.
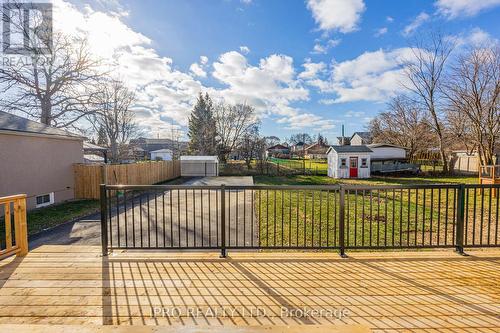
(21, 226)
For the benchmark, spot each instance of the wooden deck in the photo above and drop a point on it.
(434, 290)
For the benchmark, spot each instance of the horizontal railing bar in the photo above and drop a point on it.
(11, 198)
(482, 185)
(162, 187)
(296, 187)
(399, 187)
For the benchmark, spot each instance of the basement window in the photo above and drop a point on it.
(44, 200)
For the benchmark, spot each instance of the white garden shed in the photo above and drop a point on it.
(349, 161)
(199, 166)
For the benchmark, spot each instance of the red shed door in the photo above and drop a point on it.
(353, 167)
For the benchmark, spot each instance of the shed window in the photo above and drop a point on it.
(343, 162)
(44, 200)
(364, 163)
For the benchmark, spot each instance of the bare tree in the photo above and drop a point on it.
(114, 117)
(473, 96)
(404, 124)
(53, 86)
(233, 122)
(424, 73)
(250, 144)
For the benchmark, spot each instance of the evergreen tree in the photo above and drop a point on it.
(202, 127)
(102, 139)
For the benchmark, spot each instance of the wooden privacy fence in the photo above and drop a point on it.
(89, 177)
(15, 237)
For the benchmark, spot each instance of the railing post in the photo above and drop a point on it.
(459, 232)
(104, 221)
(223, 252)
(21, 226)
(342, 222)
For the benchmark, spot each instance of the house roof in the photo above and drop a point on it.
(347, 140)
(278, 146)
(13, 123)
(350, 149)
(363, 135)
(199, 158)
(90, 146)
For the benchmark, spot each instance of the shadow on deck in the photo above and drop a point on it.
(382, 291)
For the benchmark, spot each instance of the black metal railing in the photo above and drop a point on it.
(337, 217)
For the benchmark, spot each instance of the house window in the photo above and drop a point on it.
(364, 163)
(343, 162)
(44, 200)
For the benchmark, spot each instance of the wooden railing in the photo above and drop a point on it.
(14, 208)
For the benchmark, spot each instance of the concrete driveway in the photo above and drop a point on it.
(185, 218)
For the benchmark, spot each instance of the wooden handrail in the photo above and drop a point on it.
(15, 204)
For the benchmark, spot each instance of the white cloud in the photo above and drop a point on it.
(372, 76)
(416, 23)
(381, 31)
(322, 49)
(354, 114)
(476, 38)
(389, 19)
(271, 87)
(333, 15)
(311, 70)
(203, 60)
(463, 8)
(197, 70)
(244, 49)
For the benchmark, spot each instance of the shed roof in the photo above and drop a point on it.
(350, 149)
(377, 145)
(13, 123)
(162, 151)
(199, 158)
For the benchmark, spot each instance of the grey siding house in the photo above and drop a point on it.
(37, 160)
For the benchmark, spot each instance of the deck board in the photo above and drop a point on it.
(426, 290)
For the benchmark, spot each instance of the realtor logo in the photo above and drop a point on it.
(27, 28)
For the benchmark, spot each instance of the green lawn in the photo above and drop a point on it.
(378, 217)
(311, 166)
(324, 180)
(46, 217)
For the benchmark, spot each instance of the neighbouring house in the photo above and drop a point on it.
(386, 151)
(389, 158)
(196, 166)
(467, 162)
(148, 145)
(277, 151)
(341, 141)
(93, 159)
(161, 154)
(361, 138)
(349, 161)
(37, 160)
(316, 150)
(297, 149)
(92, 149)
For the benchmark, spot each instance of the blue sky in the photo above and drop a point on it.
(305, 65)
